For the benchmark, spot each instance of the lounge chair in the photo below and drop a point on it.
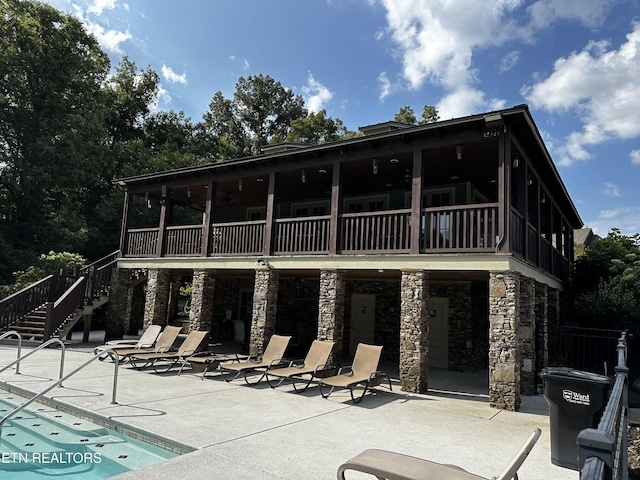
(396, 466)
(188, 347)
(314, 365)
(146, 341)
(271, 358)
(203, 362)
(163, 344)
(364, 371)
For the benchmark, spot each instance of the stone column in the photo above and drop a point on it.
(414, 331)
(542, 331)
(331, 305)
(265, 302)
(119, 304)
(157, 297)
(526, 336)
(201, 313)
(504, 361)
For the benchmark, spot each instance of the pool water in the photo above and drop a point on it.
(42, 442)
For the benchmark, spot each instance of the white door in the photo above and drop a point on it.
(363, 315)
(438, 310)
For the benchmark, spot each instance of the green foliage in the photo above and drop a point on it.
(407, 115)
(315, 129)
(48, 263)
(606, 283)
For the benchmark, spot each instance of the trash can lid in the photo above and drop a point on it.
(566, 372)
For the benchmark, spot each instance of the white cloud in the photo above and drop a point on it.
(163, 98)
(436, 41)
(509, 61)
(611, 189)
(590, 13)
(627, 219)
(599, 84)
(108, 39)
(384, 86)
(172, 77)
(245, 63)
(316, 95)
(635, 157)
(98, 6)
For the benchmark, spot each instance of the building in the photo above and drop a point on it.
(448, 243)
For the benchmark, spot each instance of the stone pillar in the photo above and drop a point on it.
(201, 313)
(542, 331)
(414, 331)
(265, 302)
(331, 305)
(526, 336)
(157, 297)
(119, 304)
(504, 361)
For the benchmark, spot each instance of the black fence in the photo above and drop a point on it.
(603, 453)
(588, 349)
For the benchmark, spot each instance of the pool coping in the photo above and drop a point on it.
(103, 421)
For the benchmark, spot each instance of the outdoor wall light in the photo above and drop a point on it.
(239, 184)
(516, 162)
(393, 160)
(375, 166)
(459, 152)
(304, 176)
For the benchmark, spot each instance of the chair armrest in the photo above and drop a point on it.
(376, 378)
(346, 370)
(324, 371)
(278, 362)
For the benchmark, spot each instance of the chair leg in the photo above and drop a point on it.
(300, 390)
(323, 394)
(274, 383)
(246, 379)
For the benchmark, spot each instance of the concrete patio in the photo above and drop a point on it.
(244, 432)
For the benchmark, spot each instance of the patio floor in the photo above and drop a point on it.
(257, 432)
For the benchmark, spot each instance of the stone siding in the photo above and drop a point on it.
(526, 336)
(202, 300)
(265, 303)
(504, 357)
(157, 297)
(331, 311)
(414, 331)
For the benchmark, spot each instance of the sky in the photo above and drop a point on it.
(575, 63)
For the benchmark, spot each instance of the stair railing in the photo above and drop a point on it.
(40, 347)
(11, 333)
(64, 307)
(110, 352)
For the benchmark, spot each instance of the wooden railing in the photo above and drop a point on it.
(141, 242)
(18, 305)
(237, 238)
(184, 241)
(65, 306)
(451, 229)
(307, 235)
(461, 229)
(379, 232)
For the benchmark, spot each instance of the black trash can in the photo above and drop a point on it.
(576, 401)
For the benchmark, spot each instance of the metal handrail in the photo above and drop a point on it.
(17, 334)
(40, 347)
(110, 351)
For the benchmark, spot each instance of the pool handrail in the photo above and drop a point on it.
(40, 347)
(110, 351)
(17, 334)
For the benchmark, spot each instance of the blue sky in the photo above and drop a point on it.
(576, 63)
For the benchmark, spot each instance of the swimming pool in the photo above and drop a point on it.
(43, 442)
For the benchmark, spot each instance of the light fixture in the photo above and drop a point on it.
(322, 170)
(459, 152)
(543, 198)
(239, 184)
(188, 192)
(303, 176)
(163, 195)
(516, 162)
(454, 177)
(393, 160)
(260, 180)
(375, 166)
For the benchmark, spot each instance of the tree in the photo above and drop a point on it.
(316, 128)
(261, 109)
(51, 127)
(606, 283)
(406, 115)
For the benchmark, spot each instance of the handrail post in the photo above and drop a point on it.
(40, 347)
(110, 351)
(17, 334)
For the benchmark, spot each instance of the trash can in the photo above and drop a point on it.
(576, 401)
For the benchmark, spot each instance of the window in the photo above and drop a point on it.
(374, 203)
(308, 209)
(256, 213)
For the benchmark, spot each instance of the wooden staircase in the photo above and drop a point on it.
(51, 308)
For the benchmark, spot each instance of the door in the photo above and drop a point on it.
(438, 332)
(363, 315)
